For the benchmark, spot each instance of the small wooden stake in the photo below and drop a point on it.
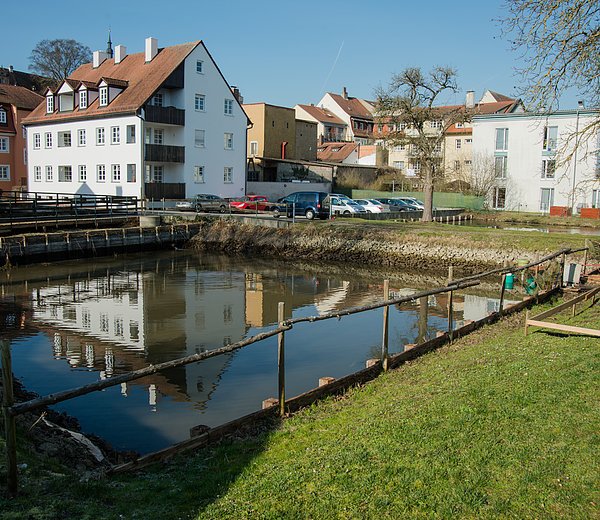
(9, 420)
(526, 322)
(450, 327)
(503, 288)
(450, 274)
(386, 316)
(281, 358)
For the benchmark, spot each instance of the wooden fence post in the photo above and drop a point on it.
(450, 274)
(585, 256)
(386, 317)
(502, 289)
(281, 358)
(9, 420)
(450, 324)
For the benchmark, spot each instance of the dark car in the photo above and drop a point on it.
(309, 204)
(398, 204)
(207, 202)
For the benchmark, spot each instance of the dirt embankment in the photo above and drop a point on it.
(355, 246)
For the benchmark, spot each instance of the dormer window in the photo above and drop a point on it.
(157, 100)
(49, 104)
(83, 99)
(103, 96)
(2, 116)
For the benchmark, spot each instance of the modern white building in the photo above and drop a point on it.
(162, 123)
(540, 160)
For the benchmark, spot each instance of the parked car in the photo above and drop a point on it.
(406, 204)
(394, 204)
(184, 205)
(373, 205)
(252, 203)
(207, 202)
(303, 203)
(415, 202)
(344, 206)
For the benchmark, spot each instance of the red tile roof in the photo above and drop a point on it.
(335, 152)
(142, 79)
(21, 97)
(323, 115)
(352, 106)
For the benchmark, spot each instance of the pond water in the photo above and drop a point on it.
(72, 323)
(569, 230)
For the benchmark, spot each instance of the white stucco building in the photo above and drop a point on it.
(538, 161)
(163, 123)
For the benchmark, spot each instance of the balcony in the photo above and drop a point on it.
(165, 115)
(164, 153)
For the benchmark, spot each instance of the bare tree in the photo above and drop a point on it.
(559, 42)
(57, 59)
(409, 106)
(481, 176)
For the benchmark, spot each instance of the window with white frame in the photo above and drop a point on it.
(436, 123)
(546, 199)
(253, 147)
(157, 173)
(468, 141)
(398, 164)
(148, 135)
(64, 139)
(457, 166)
(83, 98)
(82, 173)
(4, 172)
(103, 96)
(468, 163)
(228, 136)
(199, 66)
(99, 136)
(550, 138)
(199, 102)
(548, 168)
(228, 174)
(65, 174)
(81, 137)
(4, 146)
(2, 117)
(228, 107)
(101, 173)
(459, 125)
(25, 156)
(130, 134)
(595, 198)
(37, 173)
(116, 172)
(437, 148)
(501, 139)
(199, 174)
(458, 144)
(199, 138)
(499, 197)
(399, 148)
(49, 104)
(159, 135)
(48, 139)
(500, 166)
(115, 135)
(157, 100)
(131, 177)
(37, 141)
(49, 175)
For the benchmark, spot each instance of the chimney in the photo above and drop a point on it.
(120, 53)
(470, 99)
(10, 68)
(237, 95)
(151, 48)
(98, 58)
(344, 93)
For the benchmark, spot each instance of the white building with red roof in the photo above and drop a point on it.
(163, 123)
(356, 113)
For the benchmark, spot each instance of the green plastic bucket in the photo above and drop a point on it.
(509, 281)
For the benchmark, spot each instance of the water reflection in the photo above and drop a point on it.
(74, 322)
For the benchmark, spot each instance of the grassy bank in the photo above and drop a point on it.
(496, 425)
(515, 217)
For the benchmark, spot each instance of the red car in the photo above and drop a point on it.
(252, 203)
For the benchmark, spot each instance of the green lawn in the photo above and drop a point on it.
(498, 425)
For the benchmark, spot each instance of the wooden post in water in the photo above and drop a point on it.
(281, 358)
(450, 324)
(9, 420)
(386, 317)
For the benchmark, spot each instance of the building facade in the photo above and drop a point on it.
(540, 160)
(16, 103)
(163, 123)
(357, 115)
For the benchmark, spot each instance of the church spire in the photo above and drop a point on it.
(109, 49)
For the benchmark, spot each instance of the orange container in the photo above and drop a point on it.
(560, 211)
(590, 212)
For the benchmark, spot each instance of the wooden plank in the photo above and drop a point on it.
(564, 328)
(565, 305)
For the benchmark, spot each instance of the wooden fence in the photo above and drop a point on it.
(11, 410)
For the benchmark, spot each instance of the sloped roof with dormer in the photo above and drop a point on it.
(322, 115)
(138, 78)
(352, 106)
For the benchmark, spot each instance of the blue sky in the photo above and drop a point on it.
(291, 52)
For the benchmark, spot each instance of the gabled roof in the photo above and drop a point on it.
(335, 152)
(142, 80)
(17, 78)
(352, 106)
(499, 97)
(323, 115)
(20, 97)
